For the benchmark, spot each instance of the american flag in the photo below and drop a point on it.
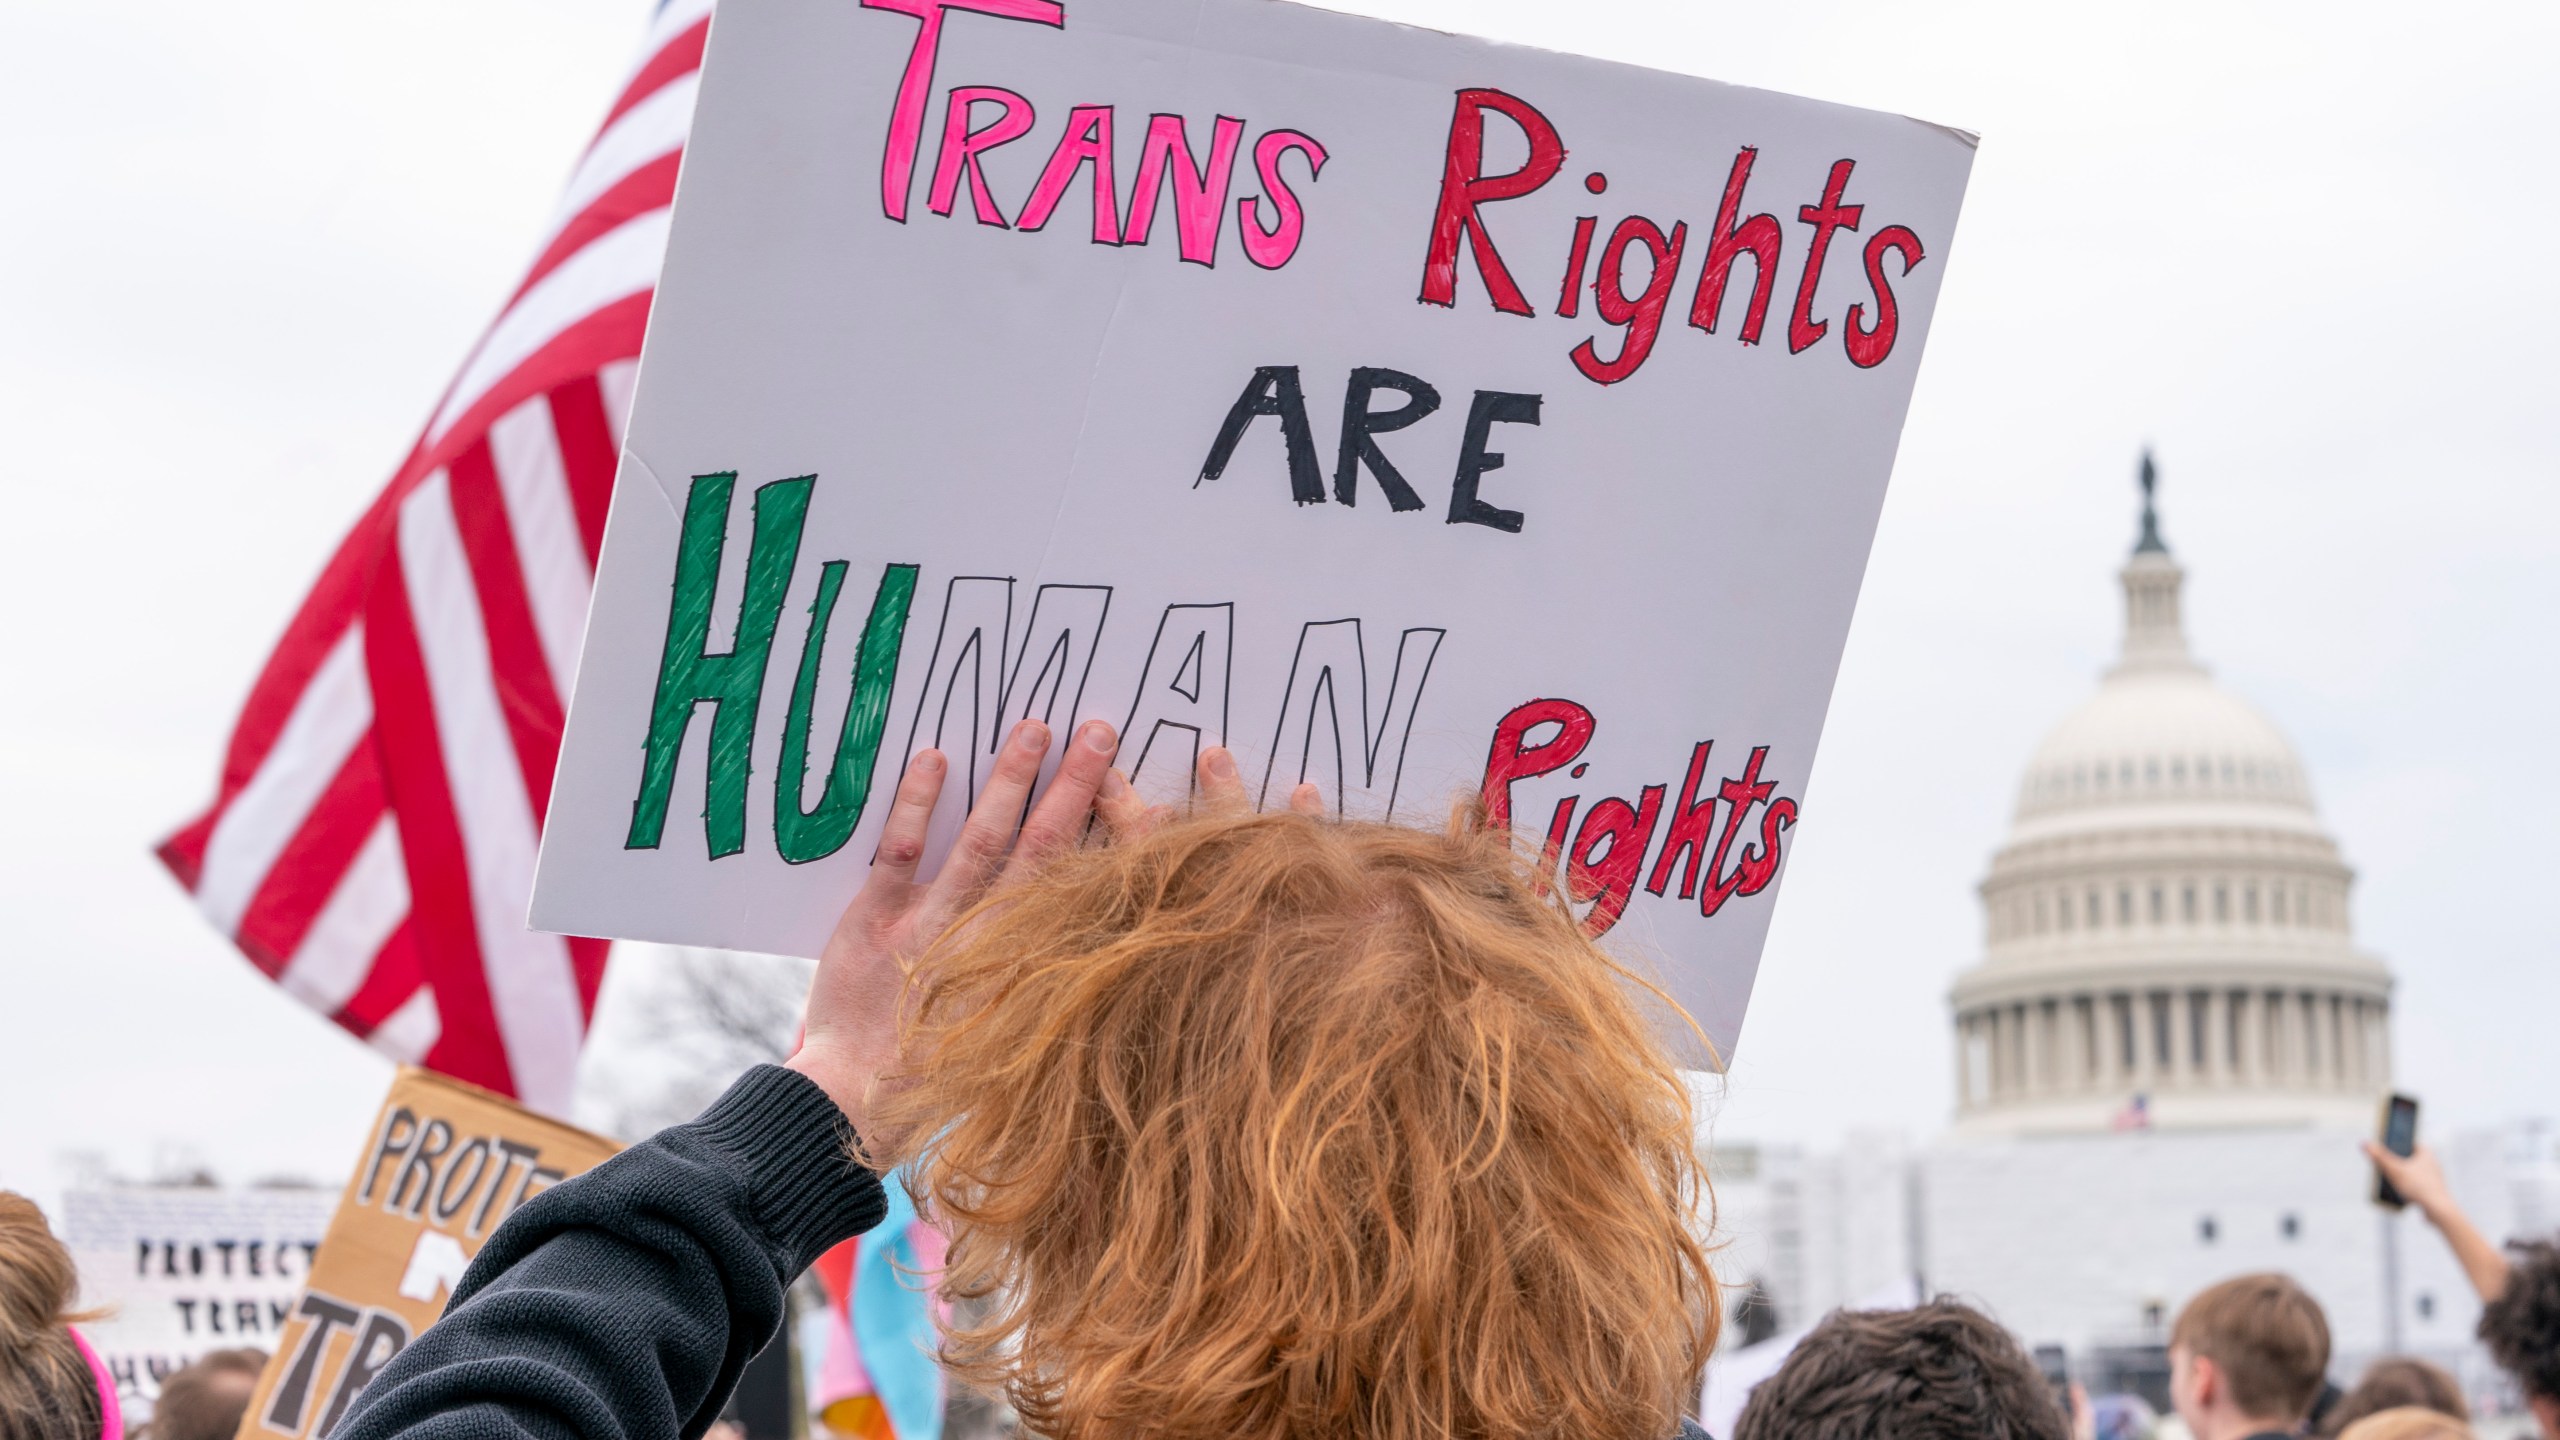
(371, 846)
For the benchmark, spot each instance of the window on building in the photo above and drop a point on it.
(2124, 1031)
(2097, 912)
(2124, 773)
(2426, 1305)
(2222, 904)
(2062, 906)
(2040, 915)
(2151, 771)
(2159, 905)
(2311, 1032)
(2207, 1231)
(2124, 905)
(2197, 1001)
(2234, 1004)
(2160, 1041)
(2079, 779)
(2290, 1227)
(2226, 770)
(2154, 1314)
(2278, 902)
(2178, 771)
(2187, 904)
(2249, 904)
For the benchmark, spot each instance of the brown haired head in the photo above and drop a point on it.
(46, 1390)
(2521, 1326)
(2266, 1335)
(1269, 1127)
(1940, 1371)
(2398, 1382)
(205, 1400)
(2408, 1422)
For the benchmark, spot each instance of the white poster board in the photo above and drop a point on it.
(1016, 345)
(186, 1272)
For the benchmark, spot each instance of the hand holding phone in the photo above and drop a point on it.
(2400, 1137)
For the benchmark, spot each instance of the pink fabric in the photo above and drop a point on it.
(107, 1403)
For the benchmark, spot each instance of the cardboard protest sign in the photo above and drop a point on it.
(446, 1164)
(185, 1272)
(1410, 413)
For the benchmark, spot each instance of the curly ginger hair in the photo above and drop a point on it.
(1275, 1127)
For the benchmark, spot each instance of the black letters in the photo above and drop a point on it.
(284, 1412)
(1274, 390)
(1360, 424)
(1473, 459)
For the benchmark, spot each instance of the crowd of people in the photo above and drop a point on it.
(1246, 1126)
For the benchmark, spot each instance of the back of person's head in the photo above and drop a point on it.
(2522, 1326)
(205, 1399)
(1941, 1371)
(1272, 1126)
(47, 1391)
(2266, 1336)
(2408, 1422)
(2397, 1382)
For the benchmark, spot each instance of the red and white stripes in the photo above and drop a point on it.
(371, 845)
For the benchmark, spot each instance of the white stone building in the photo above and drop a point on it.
(2164, 1062)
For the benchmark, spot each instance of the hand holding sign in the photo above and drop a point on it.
(855, 1000)
(940, 430)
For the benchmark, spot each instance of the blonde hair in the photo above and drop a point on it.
(46, 1390)
(1274, 1127)
(2407, 1422)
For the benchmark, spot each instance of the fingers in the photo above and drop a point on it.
(1123, 814)
(988, 832)
(910, 814)
(1061, 814)
(1221, 784)
(1307, 799)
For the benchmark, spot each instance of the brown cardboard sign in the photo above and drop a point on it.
(446, 1164)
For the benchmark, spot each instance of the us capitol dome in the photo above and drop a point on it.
(2167, 935)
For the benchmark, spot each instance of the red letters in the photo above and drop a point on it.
(1464, 186)
(1513, 758)
(1802, 329)
(1608, 850)
(1641, 313)
(1757, 236)
(1607, 879)
(1867, 348)
(1740, 794)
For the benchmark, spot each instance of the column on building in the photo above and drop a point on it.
(2071, 1052)
(2039, 1047)
(2218, 1026)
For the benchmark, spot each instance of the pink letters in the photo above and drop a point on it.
(1201, 186)
(961, 147)
(1199, 191)
(915, 87)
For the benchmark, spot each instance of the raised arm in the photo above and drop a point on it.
(2420, 1181)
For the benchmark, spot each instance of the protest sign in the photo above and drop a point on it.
(1410, 413)
(445, 1165)
(183, 1272)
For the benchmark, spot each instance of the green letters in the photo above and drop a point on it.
(803, 836)
(732, 682)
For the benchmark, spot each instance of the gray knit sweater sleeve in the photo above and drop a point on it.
(622, 1305)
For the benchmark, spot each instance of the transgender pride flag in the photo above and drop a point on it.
(874, 1375)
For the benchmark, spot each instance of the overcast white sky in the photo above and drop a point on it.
(2303, 249)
